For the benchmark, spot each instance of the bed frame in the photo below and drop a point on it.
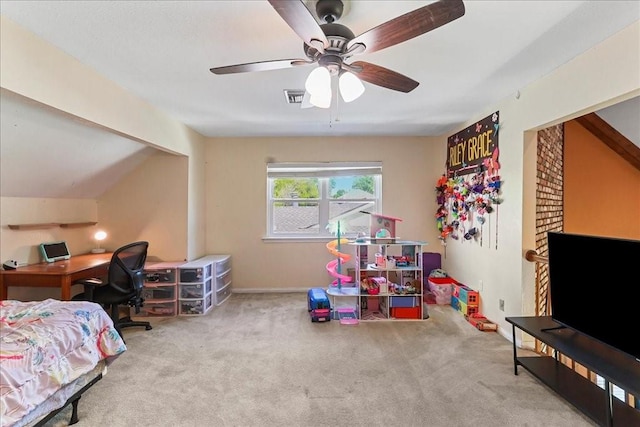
(73, 400)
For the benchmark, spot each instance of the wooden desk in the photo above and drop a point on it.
(59, 274)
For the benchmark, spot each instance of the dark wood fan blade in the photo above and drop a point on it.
(259, 66)
(410, 25)
(298, 17)
(381, 76)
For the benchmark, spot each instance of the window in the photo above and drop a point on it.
(311, 199)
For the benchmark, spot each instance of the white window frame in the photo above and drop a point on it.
(324, 172)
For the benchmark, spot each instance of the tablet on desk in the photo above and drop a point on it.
(54, 251)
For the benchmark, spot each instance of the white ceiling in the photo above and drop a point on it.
(161, 51)
(625, 118)
(47, 154)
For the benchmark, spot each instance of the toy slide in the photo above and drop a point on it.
(332, 266)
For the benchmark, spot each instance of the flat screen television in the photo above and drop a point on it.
(594, 285)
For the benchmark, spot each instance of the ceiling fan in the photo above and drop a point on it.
(331, 44)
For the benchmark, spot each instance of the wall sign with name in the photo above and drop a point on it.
(470, 189)
(473, 147)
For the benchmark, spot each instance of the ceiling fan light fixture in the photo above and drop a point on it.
(318, 81)
(321, 100)
(306, 101)
(350, 86)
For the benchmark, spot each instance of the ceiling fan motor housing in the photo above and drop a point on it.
(338, 36)
(329, 10)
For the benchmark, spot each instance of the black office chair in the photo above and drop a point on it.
(123, 286)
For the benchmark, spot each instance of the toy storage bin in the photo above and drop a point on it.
(441, 287)
(404, 301)
(405, 312)
(195, 290)
(469, 296)
(467, 310)
(196, 307)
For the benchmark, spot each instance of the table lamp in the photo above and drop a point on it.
(99, 237)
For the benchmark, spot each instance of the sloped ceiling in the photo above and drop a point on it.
(625, 118)
(47, 154)
(162, 51)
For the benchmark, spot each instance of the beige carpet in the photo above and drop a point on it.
(258, 360)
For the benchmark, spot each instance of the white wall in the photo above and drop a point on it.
(150, 204)
(236, 201)
(22, 245)
(606, 74)
(69, 86)
(236, 185)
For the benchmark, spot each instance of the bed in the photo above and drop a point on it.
(51, 352)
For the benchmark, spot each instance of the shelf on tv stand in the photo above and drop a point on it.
(614, 366)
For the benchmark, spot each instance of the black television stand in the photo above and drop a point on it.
(614, 366)
(553, 328)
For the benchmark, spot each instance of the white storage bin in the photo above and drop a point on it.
(195, 290)
(223, 295)
(223, 280)
(196, 307)
(160, 309)
(224, 264)
(167, 275)
(150, 293)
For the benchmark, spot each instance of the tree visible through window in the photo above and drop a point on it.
(308, 200)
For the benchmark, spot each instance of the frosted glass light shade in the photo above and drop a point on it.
(306, 101)
(350, 87)
(318, 82)
(321, 100)
(99, 236)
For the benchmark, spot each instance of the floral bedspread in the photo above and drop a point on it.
(45, 345)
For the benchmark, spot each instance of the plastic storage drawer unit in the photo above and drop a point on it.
(223, 280)
(160, 290)
(160, 309)
(159, 293)
(195, 290)
(195, 307)
(222, 295)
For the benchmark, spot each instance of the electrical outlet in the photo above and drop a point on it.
(480, 284)
(501, 304)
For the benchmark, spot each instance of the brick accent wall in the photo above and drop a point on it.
(549, 203)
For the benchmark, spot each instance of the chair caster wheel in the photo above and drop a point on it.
(148, 328)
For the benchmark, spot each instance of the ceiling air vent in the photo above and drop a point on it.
(294, 96)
